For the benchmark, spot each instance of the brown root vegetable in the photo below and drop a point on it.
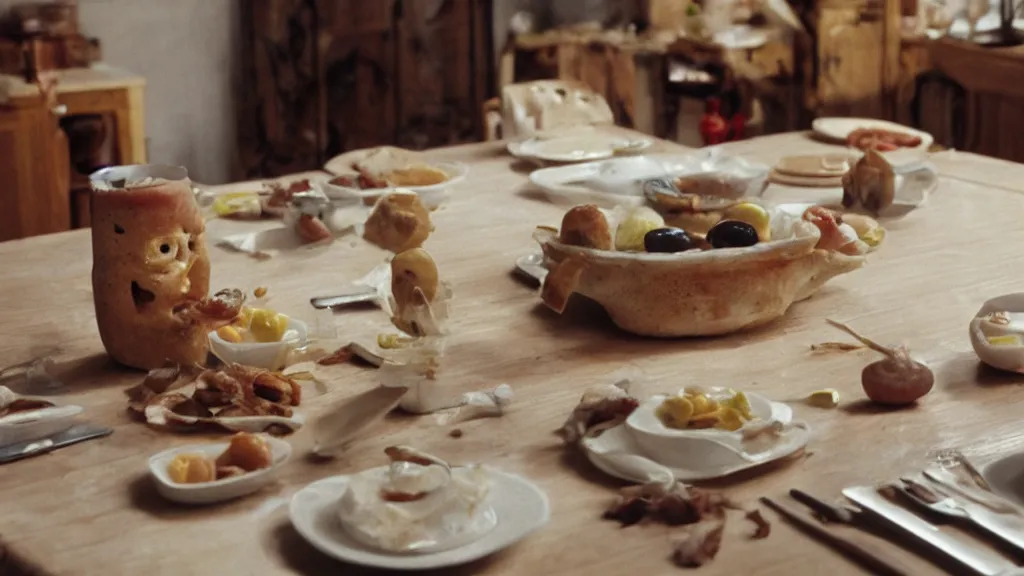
(897, 379)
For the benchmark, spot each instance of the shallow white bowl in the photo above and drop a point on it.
(431, 196)
(36, 424)
(521, 506)
(218, 490)
(268, 355)
(712, 447)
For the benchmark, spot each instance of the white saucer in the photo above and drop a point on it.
(431, 196)
(1006, 477)
(520, 505)
(577, 147)
(218, 490)
(619, 451)
(837, 129)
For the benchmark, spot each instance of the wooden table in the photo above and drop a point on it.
(92, 509)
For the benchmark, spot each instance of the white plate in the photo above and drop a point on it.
(432, 196)
(619, 181)
(1006, 477)
(837, 129)
(521, 506)
(219, 490)
(34, 424)
(532, 266)
(618, 451)
(912, 190)
(579, 147)
(267, 355)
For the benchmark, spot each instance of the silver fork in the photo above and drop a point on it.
(941, 503)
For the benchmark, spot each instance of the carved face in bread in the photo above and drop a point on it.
(149, 264)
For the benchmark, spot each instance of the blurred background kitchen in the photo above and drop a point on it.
(238, 89)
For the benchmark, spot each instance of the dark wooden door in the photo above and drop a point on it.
(322, 77)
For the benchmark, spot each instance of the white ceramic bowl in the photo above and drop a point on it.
(1002, 357)
(431, 196)
(218, 490)
(268, 355)
(711, 447)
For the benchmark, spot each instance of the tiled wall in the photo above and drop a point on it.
(188, 52)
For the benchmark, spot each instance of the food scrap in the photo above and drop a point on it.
(191, 397)
(828, 398)
(245, 453)
(11, 403)
(896, 380)
(600, 408)
(835, 347)
(677, 504)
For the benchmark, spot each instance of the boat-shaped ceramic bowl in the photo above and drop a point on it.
(35, 423)
(695, 293)
(997, 332)
(267, 355)
(218, 490)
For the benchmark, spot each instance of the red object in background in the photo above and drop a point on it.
(713, 128)
(739, 123)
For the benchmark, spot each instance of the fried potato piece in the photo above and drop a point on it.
(399, 222)
(410, 270)
(586, 226)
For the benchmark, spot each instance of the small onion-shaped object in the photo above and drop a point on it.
(896, 381)
(732, 234)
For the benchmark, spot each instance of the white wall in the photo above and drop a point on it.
(188, 52)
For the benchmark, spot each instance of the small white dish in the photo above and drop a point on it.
(577, 147)
(520, 505)
(643, 449)
(267, 355)
(620, 181)
(837, 129)
(1009, 357)
(218, 490)
(34, 424)
(431, 196)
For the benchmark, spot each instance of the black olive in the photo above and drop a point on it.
(732, 234)
(668, 240)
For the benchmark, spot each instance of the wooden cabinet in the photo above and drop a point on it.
(324, 76)
(34, 171)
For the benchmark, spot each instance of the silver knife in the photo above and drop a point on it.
(75, 434)
(976, 559)
(357, 296)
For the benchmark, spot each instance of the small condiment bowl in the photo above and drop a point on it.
(1009, 357)
(267, 355)
(218, 490)
(711, 447)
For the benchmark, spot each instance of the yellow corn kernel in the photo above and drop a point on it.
(229, 334)
(267, 325)
(753, 214)
(675, 412)
(740, 404)
(729, 419)
(260, 292)
(387, 341)
(702, 404)
(244, 317)
(1006, 340)
(828, 398)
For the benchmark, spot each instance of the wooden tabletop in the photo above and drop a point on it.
(92, 509)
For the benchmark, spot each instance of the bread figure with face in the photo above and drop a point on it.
(149, 266)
